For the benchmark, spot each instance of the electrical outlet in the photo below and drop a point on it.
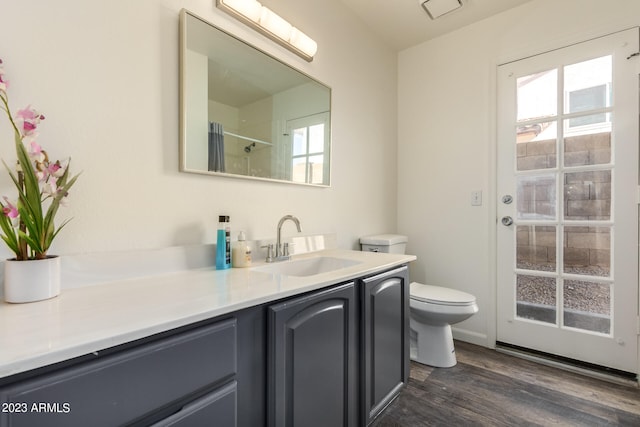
(476, 198)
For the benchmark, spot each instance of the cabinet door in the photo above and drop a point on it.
(385, 318)
(312, 363)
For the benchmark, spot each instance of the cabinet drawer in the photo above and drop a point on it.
(124, 386)
(216, 408)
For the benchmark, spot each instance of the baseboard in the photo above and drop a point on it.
(471, 337)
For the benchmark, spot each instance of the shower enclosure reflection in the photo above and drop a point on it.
(246, 114)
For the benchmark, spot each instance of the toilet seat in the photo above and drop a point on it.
(439, 295)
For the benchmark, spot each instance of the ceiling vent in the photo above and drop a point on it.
(437, 8)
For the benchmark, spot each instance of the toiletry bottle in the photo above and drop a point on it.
(223, 243)
(241, 252)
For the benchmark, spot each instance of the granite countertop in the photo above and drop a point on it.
(86, 319)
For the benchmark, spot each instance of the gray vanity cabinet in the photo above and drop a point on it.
(189, 374)
(385, 340)
(331, 357)
(312, 360)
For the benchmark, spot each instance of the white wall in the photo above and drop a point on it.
(446, 138)
(106, 76)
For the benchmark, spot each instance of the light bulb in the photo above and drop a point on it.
(303, 42)
(275, 24)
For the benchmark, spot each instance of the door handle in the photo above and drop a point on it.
(507, 221)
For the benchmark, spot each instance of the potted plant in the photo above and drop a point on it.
(27, 224)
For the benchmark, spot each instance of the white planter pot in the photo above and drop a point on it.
(32, 280)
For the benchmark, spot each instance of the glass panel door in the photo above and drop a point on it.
(568, 145)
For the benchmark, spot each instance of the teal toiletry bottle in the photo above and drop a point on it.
(223, 243)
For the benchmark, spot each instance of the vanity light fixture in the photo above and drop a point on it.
(270, 24)
(437, 8)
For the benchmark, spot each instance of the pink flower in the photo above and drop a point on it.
(3, 80)
(36, 153)
(29, 119)
(55, 169)
(50, 187)
(42, 176)
(9, 209)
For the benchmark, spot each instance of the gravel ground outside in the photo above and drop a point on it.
(581, 295)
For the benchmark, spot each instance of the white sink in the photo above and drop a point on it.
(307, 267)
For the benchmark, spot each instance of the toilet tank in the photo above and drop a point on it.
(388, 243)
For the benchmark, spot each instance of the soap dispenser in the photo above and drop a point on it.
(241, 252)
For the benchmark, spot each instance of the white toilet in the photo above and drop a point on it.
(433, 309)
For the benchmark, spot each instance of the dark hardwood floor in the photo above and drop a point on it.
(488, 388)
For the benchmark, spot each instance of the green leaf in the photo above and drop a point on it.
(49, 229)
(55, 233)
(31, 186)
(33, 237)
(9, 235)
(32, 243)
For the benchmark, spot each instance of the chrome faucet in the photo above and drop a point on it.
(280, 253)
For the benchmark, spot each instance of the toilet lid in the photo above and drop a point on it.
(440, 295)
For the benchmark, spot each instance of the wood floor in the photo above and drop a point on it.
(487, 388)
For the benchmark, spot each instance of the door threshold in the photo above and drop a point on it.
(588, 369)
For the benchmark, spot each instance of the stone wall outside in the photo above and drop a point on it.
(587, 196)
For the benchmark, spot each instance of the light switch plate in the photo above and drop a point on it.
(476, 198)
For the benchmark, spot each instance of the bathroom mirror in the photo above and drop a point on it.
(246, 114)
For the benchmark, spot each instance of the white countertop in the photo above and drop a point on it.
(82, 320)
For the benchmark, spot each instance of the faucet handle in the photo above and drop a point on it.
(269, 252)
(285, 248)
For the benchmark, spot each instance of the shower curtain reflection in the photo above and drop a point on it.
(216, 147)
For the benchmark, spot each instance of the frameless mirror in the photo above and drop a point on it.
(246, 114)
